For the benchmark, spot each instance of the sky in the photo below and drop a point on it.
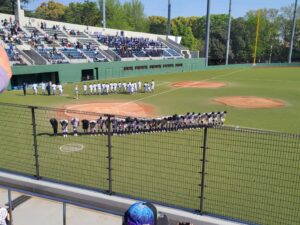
(195, 7)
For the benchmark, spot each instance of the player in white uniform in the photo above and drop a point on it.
(93, 127)
(124, 87)
(60, 89)
(91, 89)
(84, 89)
(75, 124)
(35, 89)
(95, 88)
(107, 89)
(54, 89)
(64, 127)
(43, 85)
(99, 87)
(115, 87)
(76, 91)
(135, 87)
(140, 86)
(152, 86)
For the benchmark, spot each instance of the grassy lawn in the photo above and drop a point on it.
(250, 176)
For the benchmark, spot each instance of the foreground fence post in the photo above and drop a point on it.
(204, 148)
(64, 213)
(10, 209)
(109, 156)
(36, 153)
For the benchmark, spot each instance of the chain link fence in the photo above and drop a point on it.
(241, 174)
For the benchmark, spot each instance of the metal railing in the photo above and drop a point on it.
(242, 174)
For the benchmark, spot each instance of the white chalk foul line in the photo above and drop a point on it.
(176, 89)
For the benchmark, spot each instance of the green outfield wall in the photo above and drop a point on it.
(110, 70)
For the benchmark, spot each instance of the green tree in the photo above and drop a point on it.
(115, 15)
(51, 10)
(158, 24)
(6, 6)
(134, 11)
(86, 13)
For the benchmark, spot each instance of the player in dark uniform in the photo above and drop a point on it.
(85, 125)
(54, 125)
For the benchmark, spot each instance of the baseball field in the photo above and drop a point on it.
(251, 176)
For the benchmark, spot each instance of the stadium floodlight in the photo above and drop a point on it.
(228, 33)
(293, 32)
(257, 37)
(207, 32)
(104, 13)
(169, 18)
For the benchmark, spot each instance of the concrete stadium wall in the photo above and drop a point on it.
(25, 21)
(69, 73)
(95, 200)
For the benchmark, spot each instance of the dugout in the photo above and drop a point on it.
(87, 75)
(17, 81)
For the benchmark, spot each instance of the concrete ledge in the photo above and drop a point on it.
(92, 199)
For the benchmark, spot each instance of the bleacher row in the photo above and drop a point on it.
(60, 45)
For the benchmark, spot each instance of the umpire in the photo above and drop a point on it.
(54, 125)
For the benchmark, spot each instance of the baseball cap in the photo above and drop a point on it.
(141, 213)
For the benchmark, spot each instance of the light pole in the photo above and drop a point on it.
(104, 13)
(228, 33)
(293, 32)
(169, 18)
(207, 32)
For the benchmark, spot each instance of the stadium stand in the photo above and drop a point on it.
(40, 42)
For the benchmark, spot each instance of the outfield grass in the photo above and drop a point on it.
(250, 176)
(279, 83)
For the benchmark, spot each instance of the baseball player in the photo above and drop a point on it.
(140, 86)
(35, 89)
(111, 87)
(107, 88)
(84, 89)
(54, 89)
(60, 89)
(115, 87)
(91, 87)
(64, 127)
(100, 124)
(119, 86)
(124, 87)
(93, 127)
(95, 87)
(75, 124)
(43, 86)
(85, 125)
(54, 125)
(76, 91)
(152, 86)
(99, 87)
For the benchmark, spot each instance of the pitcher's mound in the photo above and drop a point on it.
(198, 84)
(250, 102)
(113, 108)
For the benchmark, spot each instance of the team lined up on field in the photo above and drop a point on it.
(96, 88)
(130, 125)
(120, 87)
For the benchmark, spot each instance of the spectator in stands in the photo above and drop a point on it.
(144, 213)
(4, 216)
